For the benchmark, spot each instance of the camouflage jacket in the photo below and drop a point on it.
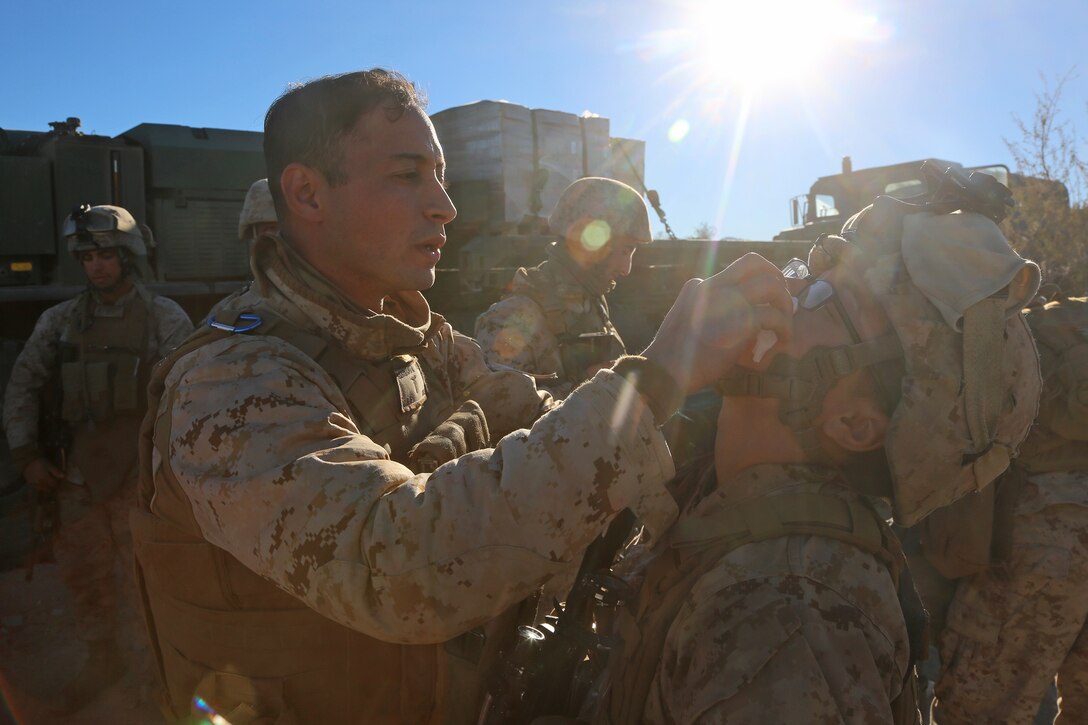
(547, 306)
(37, 361)
(277, 473)
(791, 629)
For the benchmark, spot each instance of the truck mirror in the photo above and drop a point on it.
(795, 212)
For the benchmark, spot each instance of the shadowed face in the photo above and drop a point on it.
(620, 258)
(383, 227)
(103, 268)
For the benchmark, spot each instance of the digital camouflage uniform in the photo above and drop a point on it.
(1014, 625)
(94, 502)
(257, 468)
(794, 606)
(1011, 628)
(535, 328)
(793, 629)
(554, 320)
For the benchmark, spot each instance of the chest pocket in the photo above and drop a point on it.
(387, 401)
(393, 402)
(103, 369)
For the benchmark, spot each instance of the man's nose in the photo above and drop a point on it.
(625, 265)
(440, 206)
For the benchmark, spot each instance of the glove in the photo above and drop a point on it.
(461, 433)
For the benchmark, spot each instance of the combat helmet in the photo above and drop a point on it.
(968, 384)
(607, 208)
(103, 227)
(258, 208)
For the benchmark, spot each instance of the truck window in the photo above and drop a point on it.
(825, 206)
(905, 189)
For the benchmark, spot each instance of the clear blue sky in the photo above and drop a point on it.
(773, 93)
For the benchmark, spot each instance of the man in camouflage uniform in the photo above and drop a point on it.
(297, 560)
(1023, 618)
(258, 216)
(774, 596)
(99, 348)
(554, 321)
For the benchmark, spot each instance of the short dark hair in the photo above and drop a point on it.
(306, 123)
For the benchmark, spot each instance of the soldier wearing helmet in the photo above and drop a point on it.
(781, 594)
(258, 215)
(554, 321)
(85, 368)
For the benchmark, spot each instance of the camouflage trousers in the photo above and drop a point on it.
(1012, 628)
(92, 544)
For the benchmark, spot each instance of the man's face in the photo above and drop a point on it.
(103, 268)
(748, 427)
(620, 258)
(384, 224)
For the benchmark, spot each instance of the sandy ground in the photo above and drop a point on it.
(40, 651)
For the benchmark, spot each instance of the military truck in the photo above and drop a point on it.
(833, 199)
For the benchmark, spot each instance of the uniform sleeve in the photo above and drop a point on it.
(29, 374)
(174, 325)
(279, 477)
(514, 332)
(509, 399)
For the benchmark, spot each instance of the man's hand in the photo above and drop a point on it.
(43, 475)
(713, 321)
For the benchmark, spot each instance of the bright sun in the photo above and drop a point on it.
(750, 45)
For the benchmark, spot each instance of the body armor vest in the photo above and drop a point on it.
(696, 544)
(585, 339)
(106, 359)
(256, 654)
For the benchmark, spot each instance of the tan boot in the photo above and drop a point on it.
(104, 666)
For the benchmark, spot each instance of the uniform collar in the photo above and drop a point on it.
(296, 290)
(119, 302)
(559, 276)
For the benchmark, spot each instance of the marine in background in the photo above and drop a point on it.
(554, 321)
(72, 412)
(1019, 611)
(781, 595)
(258, 216)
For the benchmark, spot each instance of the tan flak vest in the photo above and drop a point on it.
(105, 358)
(252, 652)
(586, 338)
(694, 545)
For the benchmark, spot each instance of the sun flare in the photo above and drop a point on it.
(752, 45)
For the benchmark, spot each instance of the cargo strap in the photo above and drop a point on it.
(793, 514)
(983, 343)
(802, 383)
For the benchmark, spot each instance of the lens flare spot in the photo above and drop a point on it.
(679, 130)
(596, 235)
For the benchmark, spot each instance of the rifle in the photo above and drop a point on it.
(56, 437)
(553, 665)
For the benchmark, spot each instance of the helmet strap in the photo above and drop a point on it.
(801, 384)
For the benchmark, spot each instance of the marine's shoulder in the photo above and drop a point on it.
(53, 321)
(514, 306)
(167, 306)
(241, 359)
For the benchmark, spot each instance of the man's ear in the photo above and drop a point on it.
(302, 187)
(859, 427)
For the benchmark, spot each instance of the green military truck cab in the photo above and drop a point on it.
(833, 199)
